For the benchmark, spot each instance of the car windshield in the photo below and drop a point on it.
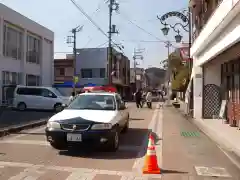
(57, 92)
(93, 102)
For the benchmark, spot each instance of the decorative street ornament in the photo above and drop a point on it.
(165, 31)
(179, 15)
(178, 38)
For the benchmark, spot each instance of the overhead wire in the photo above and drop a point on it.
(93, 22)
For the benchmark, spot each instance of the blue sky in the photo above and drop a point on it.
(61, 16)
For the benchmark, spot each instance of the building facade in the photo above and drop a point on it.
(216, 58)
(26, 52)
(63, 70)
(92, 68)
(141, 80)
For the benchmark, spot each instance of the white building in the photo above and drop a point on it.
(216, 55)
(26, 51)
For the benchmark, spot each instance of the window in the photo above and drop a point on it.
(33, 49)
(32, 80)
(29, 91)
(96, 102)
(61, 71)
(86, 73)
(12, 42)
(11, 78)
(102, 73)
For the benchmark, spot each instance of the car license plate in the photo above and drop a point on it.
(74, 137)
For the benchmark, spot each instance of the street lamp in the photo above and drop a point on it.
(185, 18)
(165, 30)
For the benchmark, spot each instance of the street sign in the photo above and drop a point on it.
(75, 79)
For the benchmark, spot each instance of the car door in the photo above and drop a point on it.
(47, 99)
(122, 112)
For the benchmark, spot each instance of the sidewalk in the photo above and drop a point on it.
(190, 154)
(225, 136)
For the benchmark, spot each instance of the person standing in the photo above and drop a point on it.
(149, 99)
(138, 98)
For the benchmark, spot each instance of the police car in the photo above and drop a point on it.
(95, 118)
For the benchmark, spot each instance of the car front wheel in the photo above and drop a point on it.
(113, 143)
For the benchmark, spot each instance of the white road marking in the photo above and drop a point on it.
(86, 173)
(31, 173)
(212, 171)
(138, 162)
(78, 175)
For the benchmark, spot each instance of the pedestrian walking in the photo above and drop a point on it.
(138, 98)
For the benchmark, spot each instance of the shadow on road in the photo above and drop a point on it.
(136, 119)
(9, 117)
(94, 154)
(134, 137)
(29, 133)
(165, 171)
(131, 143)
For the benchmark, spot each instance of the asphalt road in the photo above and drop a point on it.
(183, 153)
(27, 155)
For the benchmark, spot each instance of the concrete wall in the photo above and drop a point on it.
(92, 58)
(215, 45)
(45, 68)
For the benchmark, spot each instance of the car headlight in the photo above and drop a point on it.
(101, 126)
(54, 125)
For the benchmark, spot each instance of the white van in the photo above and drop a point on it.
(37, 97)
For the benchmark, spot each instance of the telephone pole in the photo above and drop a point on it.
(137, 55)
(168, 45)
(113, 6)
(72, 40)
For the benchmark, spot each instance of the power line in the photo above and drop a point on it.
(91, 20)
(146, 41)
(88, 17)
(133, 23)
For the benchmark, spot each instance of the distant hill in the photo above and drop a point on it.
(155, 75)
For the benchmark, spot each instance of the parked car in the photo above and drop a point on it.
(91, 119)
(38, 97)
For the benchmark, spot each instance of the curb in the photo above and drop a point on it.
(213, 135)
(15, 129)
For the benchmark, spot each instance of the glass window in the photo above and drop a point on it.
(93, 102)
(12, 42)
(102, 73)
(32, 80)
(29, 91)
(86, 73)
(33, 49)
(11, 78)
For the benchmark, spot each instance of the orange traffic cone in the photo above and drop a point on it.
(150, 164)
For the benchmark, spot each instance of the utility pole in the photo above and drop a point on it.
(113, 6)
(168, 45)
(72, 40)
(136, 55)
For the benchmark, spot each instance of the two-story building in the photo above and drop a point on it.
(26, 52)
(92, 67)
(216, 58)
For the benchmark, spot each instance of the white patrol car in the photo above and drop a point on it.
(90, 119)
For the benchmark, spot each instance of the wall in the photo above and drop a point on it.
(212, 73)
(45, 69)
(220, 32)
(91, 58)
